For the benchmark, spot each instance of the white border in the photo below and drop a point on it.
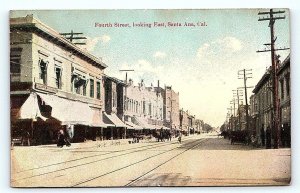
(7, 5)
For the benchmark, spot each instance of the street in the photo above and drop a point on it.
(200, 160)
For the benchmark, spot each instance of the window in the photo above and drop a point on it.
(169, 115)
(43, 71)
(79, 84)
(15, 60)
(144, 107)
(150, 110)
(91, 88)
(98, 90)
(58, 72)
(281, 89)
(84, 89)
(113, 99)
(287, 84)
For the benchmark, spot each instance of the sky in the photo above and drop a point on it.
(199, 62)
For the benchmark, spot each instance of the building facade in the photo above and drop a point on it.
(54, 83)
(171, 108)
(143, 106)
(284, 92)
(263, 108)
(113, 116)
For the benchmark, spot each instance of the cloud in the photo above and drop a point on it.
(105, 38)
(91, 43)
(159, 54)
(220, 48)
(231, 43)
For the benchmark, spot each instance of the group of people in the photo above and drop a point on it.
(65, 135)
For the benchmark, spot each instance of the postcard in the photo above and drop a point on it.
(155, 97)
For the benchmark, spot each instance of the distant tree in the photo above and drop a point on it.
(207, 127)
(223, 127)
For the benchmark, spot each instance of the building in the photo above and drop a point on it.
(143, 107)
(54, 84)
(283, 75)
(171, 108)
(263, 108)
(184, 121)
(113, 116)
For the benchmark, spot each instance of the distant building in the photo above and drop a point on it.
(143, 107)
(54, 84)
(184, 121)
(171, 108)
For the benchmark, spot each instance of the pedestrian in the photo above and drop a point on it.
(61, 138)
(179, 137)
(69, 134)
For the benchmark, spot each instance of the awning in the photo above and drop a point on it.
(113, 119)
(133, 126)
(144, 124)
(30, 109)
(68, 111)
(96, 120)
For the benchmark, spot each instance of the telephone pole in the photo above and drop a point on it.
(233, 102)
(127, 70)
(74, 36)
(238, 94)
(274, 59)
(245, 74)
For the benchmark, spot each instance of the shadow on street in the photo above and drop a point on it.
(214, 143)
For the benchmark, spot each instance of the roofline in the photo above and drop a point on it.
(261, 82)
(115, 80)
(30, 23)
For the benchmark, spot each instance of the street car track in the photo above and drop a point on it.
(85, 157)
(150, 157)
(138, 149)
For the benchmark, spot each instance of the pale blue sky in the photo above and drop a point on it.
(201, 63)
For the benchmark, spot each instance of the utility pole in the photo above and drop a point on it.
(73, 36)
(126, 70)
(233, 102)
(271, 48)
(245, 74)
(238, 93)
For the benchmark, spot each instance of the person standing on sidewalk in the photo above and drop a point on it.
(69, 134)
(179, 137)
(61, 138)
